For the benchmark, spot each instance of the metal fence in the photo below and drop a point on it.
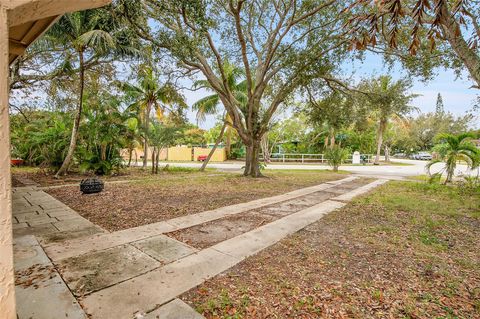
(307, 158)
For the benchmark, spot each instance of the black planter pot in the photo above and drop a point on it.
(91, 186)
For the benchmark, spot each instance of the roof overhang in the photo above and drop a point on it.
(29, 19)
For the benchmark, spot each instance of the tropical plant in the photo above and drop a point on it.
(132, 138)
(161, 136)
(89, 35)
(102, 136)
(335, 156)
(148, 95)
(209, 105)
(42, 141)
(386, 100)
(454, 148)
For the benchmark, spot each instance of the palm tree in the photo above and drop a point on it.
(209, 105)
(90, 35)
(388, 100)
(149, 95)
(454, 148)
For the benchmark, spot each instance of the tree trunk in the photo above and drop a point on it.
(464, 52)
(76, 123)
(265, 149)
(153, 160)
(157, 159)
(212, 151)
(228, 135)
(103, 152)
(332, 141)
(228, 141)
(386, 150)
(130, 152)
(381, 128)
(252, 167)
(146, 130)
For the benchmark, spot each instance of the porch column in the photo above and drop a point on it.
(7, 287)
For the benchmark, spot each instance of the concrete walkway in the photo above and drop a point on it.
(140, 272)
(37, 213)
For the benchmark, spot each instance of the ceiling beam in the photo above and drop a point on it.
(22, 11)
(16, 48)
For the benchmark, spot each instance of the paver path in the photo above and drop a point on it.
(139, 272)
(37, 213)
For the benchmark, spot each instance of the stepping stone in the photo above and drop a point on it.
(39, 230)
(60, 236)
(143, 293)
(175, 309)
(164, 249)
(73, 224)
(28, 252)
(47, 298)
(19, 225)
(94, 271)
(40, 291)
(42, 219)
(28, 216)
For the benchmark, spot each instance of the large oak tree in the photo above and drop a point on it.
(281, 45)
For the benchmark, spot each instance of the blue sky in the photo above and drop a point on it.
(456, 93)
(457, 96)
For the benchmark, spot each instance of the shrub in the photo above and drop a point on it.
(43, 141)
(336, 156)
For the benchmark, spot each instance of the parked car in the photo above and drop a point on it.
(400, 155)
(424, 156)
(202, 158)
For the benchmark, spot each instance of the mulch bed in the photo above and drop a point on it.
(46, 177)
(371, 259)
(133, 204)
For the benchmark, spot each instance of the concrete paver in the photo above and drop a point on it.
(175, 309)
(164, 249)
(95, 271)
(143, 293)
(40, 291)
(49, 299)
(28, 252)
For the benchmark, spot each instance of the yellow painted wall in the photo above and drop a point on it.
(138, 153)
(179, 153)
(220, 154)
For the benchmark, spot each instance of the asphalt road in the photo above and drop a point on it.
(414, 168)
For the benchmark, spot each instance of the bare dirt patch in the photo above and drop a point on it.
(211, 233)
(405, 251)
(133, 204)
